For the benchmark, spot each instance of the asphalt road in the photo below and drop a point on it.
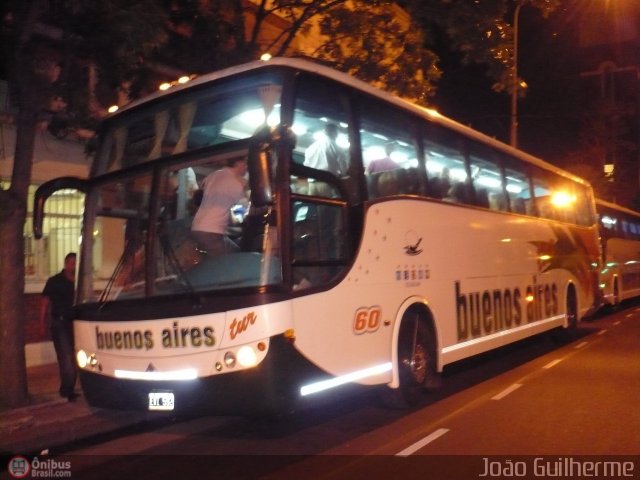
(536, 407)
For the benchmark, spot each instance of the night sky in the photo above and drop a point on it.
(550, 62)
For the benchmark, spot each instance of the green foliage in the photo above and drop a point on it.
(481, 31)
(204, 36)
(376, 45)
(373, 40)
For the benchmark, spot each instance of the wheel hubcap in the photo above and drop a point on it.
(417, 364)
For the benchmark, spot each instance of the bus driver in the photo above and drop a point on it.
(222, 190)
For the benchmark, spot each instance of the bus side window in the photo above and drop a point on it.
(482, 198)
(389, 149)
(322, 115)
(319, 242)
(444, 161)
(410, 181)
(387, 184)
(486, 174)
(498, 201)
(459, 193)
(518, 191)
(584, 213)
(518, 206)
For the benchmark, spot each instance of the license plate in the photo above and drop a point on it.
(161, 401)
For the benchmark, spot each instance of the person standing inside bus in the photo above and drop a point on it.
(221, 190)
(57, 299)
(385, 164)
(326, 154)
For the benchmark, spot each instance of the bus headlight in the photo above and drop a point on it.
(84, 360)
(247, 356)
(229, 359)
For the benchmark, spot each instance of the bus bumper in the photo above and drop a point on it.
(271, 387)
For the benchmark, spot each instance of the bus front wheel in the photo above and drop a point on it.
(416, 362)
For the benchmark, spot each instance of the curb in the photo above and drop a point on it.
(55, 424)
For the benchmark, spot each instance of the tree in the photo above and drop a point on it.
(34, 70)
(482, 32)
(35, 74)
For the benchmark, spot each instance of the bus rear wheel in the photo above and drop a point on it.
(416, 362)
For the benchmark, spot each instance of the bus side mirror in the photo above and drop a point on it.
(260, 163)
(44, 191)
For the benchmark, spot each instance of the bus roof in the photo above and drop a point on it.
(615, 206)
(322, 70)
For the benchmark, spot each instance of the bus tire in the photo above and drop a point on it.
(417, 369)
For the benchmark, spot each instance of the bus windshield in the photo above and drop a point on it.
(174, 215)
(151, 249)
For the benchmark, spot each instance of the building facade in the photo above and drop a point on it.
(610, 43)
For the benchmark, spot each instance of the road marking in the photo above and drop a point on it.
(617, 322)
(580, 345)
(552, 364)
(602, 332)
(421, 443)
(506, 391)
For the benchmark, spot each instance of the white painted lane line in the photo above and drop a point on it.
(421, 443)
(602, 332)
(580, 345)
(618, 322)
(506, 391)
(552, 364)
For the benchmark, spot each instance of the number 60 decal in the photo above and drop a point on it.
(367, 320)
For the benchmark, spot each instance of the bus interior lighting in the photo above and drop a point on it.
(344, 379)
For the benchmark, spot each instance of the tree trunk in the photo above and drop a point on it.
(32, 87)
(13, 211)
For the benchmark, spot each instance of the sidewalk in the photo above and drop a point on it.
(51, 422)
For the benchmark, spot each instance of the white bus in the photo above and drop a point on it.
(457, 245)
(620, 237)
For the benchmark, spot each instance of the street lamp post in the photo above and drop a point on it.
(514, 80)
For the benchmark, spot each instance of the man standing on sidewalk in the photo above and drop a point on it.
(57, 297)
